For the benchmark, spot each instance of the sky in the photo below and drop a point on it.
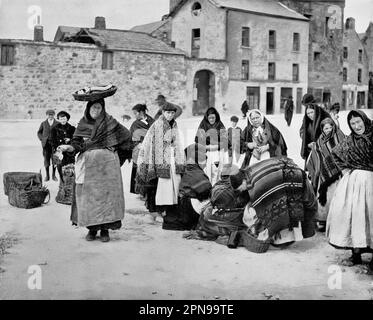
(17, 16)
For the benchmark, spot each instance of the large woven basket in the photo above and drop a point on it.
(251, 243)
(95, 95)
(21, 180)
(28, 198)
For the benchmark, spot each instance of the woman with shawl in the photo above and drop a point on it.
(350, 219)
(322, 168)
(311, 130)
(160, 163)
(212, 134)
(138, 130)
(289, 109)
(102, 146)
(261, 139)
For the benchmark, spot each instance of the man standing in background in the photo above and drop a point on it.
(45, 136)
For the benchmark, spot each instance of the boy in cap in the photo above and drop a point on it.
(45, 136)
(162, 103)
(234, 141)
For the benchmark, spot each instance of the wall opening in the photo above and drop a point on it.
(203, 91)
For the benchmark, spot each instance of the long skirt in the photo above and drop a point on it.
(98, 198)
(133, 178)
(322, 213)
(350, 218)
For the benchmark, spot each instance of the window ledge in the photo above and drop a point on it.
(245, 47)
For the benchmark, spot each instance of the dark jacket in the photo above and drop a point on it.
(45, 132)
(60, 133)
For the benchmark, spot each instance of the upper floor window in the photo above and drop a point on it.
(296, 41)
(327, 26)
(345, 74)
(359, 73)
(360, 56)
(316, 56)
(245, 71)
(196, 42)
(345, 53)
(107, 60)
(272, 39)
(295, 72)
(196, 8)
(7, 54)
(245, 36)
(271, 71)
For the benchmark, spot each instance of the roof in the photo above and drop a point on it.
(113, 39)
(149, 27)
(266, 7)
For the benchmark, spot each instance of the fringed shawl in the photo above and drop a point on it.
(356, 151)
(321, 165)
(155, 152)
(314, 126)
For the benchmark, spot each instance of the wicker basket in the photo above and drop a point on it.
(28, 199)
(251, 243)
(21, 180)
(95, 95)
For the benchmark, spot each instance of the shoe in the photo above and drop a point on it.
(104, 236)
(91, 235)
(356, 258)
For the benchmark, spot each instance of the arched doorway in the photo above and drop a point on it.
(203, 91)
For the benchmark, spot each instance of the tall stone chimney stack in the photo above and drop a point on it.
(350, 23)
(38, 33)
(100, 23)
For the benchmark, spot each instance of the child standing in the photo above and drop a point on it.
(234, 142)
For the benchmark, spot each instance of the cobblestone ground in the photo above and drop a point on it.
(145, 262)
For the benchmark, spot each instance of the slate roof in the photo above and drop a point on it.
(149, 27)
(113, 39)
(267, 7)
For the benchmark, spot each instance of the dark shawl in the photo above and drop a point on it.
(59, 133)
(277, 144)
(212, 134)
(310, 131)
(321, 165)
(194, 183)
(356, 151)
(289, 109)
(104, 132)
(140, 128)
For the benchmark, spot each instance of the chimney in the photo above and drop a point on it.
(38, 33)
(100, 23)
(350, 24)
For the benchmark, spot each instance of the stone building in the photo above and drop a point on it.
(355, 69)
(325, 63)
(367, 40)
(266, 62)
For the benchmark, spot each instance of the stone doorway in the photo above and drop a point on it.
(203, 91)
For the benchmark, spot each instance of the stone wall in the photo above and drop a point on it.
(46, 74)
(325, 74)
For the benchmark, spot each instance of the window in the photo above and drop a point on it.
(359, 73)
(296, 42)
(344, 74)
(7, 54)
(316, 56)
(326, 26)
(253, 97)
(271, 71)
(272, 39)
(295, 72)
(196, 8)
(196, 42)
(245, 71)
(345, 53)
(107, 60)
(245, 37)
(360, 56)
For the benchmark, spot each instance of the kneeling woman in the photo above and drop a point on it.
(102, 145)
(350, 219)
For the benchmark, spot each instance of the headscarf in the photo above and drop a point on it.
(320, 114)
(214, 134)
(356, 151)
(103, 132)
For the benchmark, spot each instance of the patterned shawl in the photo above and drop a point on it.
(321, 165)
(277, 144)
(103, 132)
(313, 127)
(155, 152)
(356, 151)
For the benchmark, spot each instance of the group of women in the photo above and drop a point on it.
(341, 171)
(170, 178)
